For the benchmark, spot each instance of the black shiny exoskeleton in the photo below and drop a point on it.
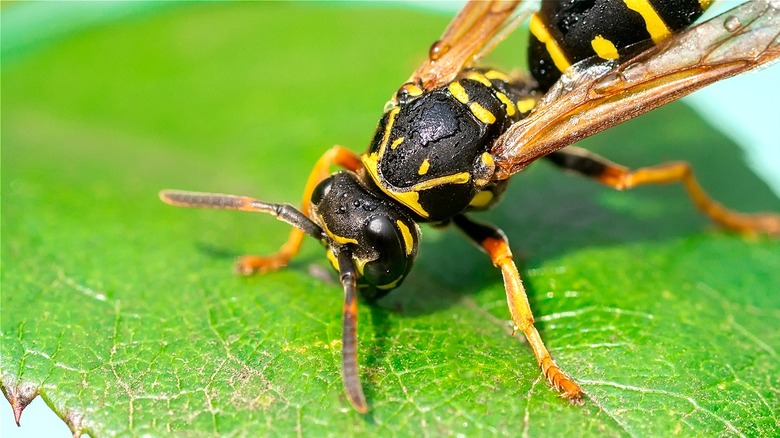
(383, 235)
(431, 152)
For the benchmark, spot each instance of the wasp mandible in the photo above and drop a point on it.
(454, 133)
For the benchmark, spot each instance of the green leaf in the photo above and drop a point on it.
(124, 315)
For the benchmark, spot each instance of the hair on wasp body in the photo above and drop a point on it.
(454, 133)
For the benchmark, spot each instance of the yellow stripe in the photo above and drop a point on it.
(482, 113)
(604, 48)
(409, 199)
(334, 261)
(525, 105)
(457, 90)
(479, 77)
(391, 285)
(487, 159)
(488, 165)
(388, 127)
(510, 108)
(495, 74)
(407, 235)
(360, 264)
(543, 35)
(424, 167)
(653, 22)
(457, 178)
(371, 163)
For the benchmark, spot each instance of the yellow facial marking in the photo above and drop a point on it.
(458, 92)
(407, 235)
(543, 35)
(525, 105)
(510, 108)
(360, 264)
(333, 260)
(653, 22)
(481, 199)
(397, 142)
(482, 113)
(338, 239)
(424, 167)
(495, 74)
(705, 4)
(479, 77)
(604, 48)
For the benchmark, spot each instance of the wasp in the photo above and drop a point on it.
(454, 133)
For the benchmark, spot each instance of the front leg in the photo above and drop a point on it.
(337, 155)
(495, 244)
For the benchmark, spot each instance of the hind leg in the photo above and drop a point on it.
(621, 178)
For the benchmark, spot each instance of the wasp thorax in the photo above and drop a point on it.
(381, 236)
(431, 152)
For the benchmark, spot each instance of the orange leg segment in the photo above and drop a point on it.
(495, 243)
(337, 155)
(622, 178)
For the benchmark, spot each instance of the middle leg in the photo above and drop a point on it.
(496, 245)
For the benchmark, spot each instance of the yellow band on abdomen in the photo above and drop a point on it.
(653, 22)
(539, 30)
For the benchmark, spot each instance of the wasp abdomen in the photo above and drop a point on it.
(430, 151)
(564, 32)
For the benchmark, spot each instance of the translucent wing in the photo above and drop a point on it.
(477, 28)
(591, 97)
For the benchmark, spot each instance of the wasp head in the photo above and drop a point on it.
(381, 237)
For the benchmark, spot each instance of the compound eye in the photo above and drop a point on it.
(389, 269)
(321, 190)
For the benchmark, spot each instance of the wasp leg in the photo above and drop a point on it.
(337, 155)
(495, 244)
(621, 178)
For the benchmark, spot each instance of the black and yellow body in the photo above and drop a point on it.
(436, 152)
(564, 32)
(431, 151)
